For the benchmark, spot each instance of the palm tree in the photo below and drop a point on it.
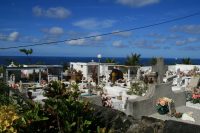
(153, 61)
(27, 52)
(133, 59)
(186, 61)
(109, 60)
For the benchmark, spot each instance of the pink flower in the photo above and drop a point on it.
(194, 96)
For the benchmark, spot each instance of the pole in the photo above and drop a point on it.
(98, 72)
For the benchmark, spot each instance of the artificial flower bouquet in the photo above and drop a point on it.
(162, 105)
(195, 98)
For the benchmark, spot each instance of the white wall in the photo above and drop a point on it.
(182, 67)
(172, 68)
(146, 68)
(185, 68)
(79, 66)
(84, 68)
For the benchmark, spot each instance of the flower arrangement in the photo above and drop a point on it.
(162, 105)
(195, 98)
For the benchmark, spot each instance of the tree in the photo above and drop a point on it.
(27, 52)
(186, 61)
(109, 60)
(153, 61)
(133, 59)
(1, 69)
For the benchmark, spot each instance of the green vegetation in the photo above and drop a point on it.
(4, 94)
(133, 59)
(1, 69)
(109, 60)
(27, 52)
(62, 112)
(153, 61)
(186, 61)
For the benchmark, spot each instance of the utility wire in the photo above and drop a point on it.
(105, 34)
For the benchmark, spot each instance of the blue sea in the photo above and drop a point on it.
(5, 60)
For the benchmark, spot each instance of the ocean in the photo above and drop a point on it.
(5, 60)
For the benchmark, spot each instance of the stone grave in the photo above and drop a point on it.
(160, 69)
(144, 106)
(193, 83)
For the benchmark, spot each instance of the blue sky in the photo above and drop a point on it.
(24, 22)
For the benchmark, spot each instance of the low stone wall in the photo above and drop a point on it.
(119, 122)
(113, 119)
(94, 99)
(146, 105)
(180, 127)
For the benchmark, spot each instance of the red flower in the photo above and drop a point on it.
(195, 96)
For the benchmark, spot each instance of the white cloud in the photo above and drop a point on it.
(140, 43)
(53, 30)
(118, 43)
(56, 30)
(38, 11)
(123, 34)
(54, 12)
(93, 41)
(160, 40)
(191, 29)
(186, 41)
(145, 44)
(153, 34)
(98, 38)
(76, 42)
(92, 23)
(14, 36)
(137, 3)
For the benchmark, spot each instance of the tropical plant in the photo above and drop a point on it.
(153, 61)
(4, 93)
(1, 69)
(66, 66)
(104, 130)
(27, 52)
(109, 60)
(186, 61)
(133, 59)
(71, 113)
(63, 111)
(9, 119)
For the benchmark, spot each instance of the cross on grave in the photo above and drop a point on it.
(160, 68)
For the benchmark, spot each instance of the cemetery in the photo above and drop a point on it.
(129, 99)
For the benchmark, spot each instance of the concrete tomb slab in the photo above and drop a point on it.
(144, 106)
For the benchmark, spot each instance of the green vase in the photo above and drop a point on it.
(162, 109)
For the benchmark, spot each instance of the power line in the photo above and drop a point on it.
(105, 34)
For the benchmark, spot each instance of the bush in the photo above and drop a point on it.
(4, 93)
(70, 113)
(9, 119)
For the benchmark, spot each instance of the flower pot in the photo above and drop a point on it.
(162, 109)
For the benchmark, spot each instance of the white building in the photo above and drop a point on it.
(89, 68)
(102, 69)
